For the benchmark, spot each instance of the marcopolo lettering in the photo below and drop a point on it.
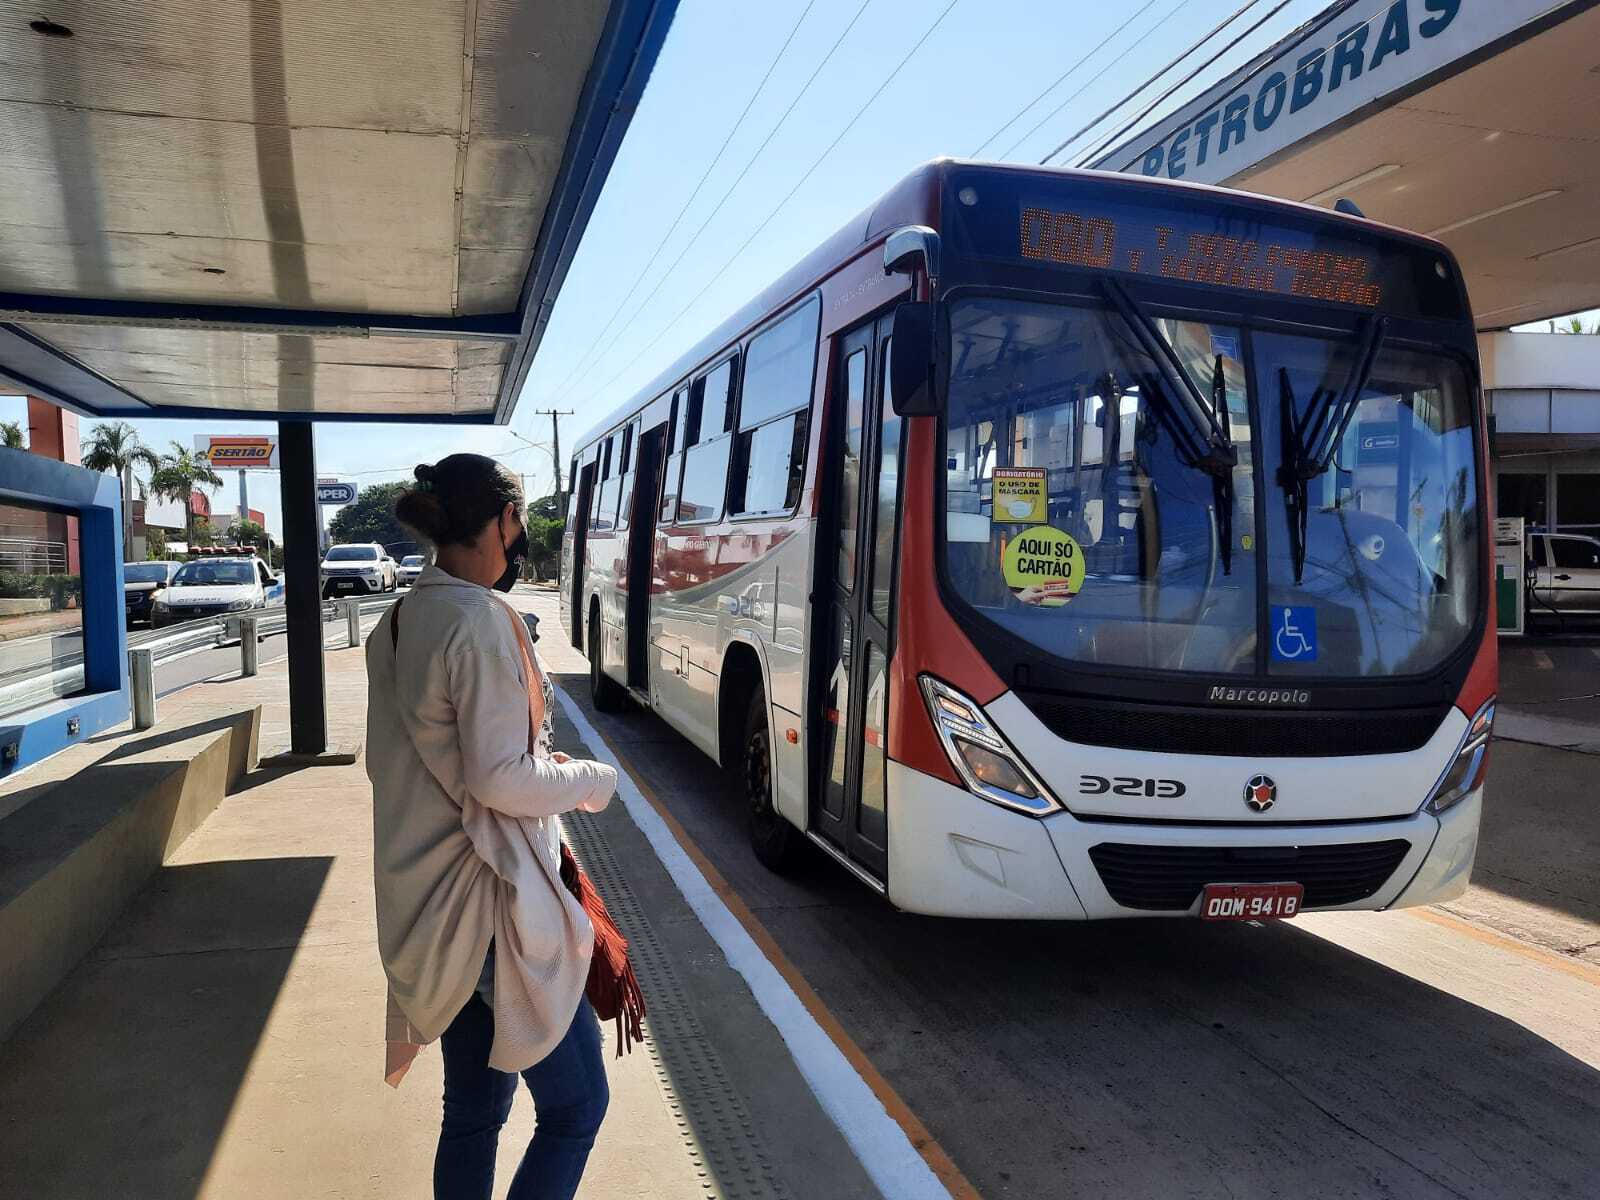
(1262, 696)
(1360, 49)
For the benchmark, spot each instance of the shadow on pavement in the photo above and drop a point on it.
(122, 1080)
(1540, 838)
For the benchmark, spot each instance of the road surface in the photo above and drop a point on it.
(1414, 1054)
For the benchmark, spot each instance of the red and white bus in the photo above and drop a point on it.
(1062, 545)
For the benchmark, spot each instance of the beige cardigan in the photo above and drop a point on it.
(465, 837)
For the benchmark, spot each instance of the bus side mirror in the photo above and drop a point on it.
(912, 357)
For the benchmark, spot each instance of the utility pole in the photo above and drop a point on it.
(555, 416)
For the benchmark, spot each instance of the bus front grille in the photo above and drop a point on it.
(1255, 733)
(1169, 878)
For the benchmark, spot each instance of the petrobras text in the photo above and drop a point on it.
(1349, 59)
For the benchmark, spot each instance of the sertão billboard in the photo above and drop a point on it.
(237, 451)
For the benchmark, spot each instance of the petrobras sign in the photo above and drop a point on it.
(1352, 55)
(237, 451)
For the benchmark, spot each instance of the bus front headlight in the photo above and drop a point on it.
(986, 762)
(1467, 769)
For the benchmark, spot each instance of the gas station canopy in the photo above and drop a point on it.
(284, 208)
(1473, 121)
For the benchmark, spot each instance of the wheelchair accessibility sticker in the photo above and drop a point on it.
(1294, 633)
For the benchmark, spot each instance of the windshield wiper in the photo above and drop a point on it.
(1207, 444)
(1309, 445)
(1202, 428)
(1222, 483)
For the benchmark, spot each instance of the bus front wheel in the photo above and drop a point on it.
(604, 692)
(775, 841)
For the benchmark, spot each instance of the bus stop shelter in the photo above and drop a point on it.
(297, 212)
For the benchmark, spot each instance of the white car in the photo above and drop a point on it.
(1565, 572)
(357, 569)
(410, 567)
(212, 587)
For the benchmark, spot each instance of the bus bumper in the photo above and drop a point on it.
(952, 854)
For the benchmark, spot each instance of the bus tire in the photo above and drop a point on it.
(775, 841)
(605, 693)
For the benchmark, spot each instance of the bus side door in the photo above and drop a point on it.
(852, 615)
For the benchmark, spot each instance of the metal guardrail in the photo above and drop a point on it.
(149, 649)
(34, 556)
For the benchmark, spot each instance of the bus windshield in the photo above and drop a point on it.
(1079, 519)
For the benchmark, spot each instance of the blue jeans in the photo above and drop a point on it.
(570, 1095)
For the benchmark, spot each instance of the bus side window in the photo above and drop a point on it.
(571, 515)
(597, 488)
(630, 442)
(774, 407)
(885, 525)
(607, 487)
(676, 425)
(705, 459)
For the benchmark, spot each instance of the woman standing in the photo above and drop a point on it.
(484, 949)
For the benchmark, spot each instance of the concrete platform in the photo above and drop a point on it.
(224, 1039)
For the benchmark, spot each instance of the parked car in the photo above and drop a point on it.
(357, 569)
(141, 582)
(1564, 571)
(410, 567)
(212, 587)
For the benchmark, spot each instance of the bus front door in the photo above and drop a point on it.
(641, 553)
(583, 486)
(850, 654)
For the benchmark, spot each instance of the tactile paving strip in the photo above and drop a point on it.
(716, 1127)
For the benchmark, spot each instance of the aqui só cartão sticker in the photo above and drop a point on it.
(1043, 566)
(1019, 495)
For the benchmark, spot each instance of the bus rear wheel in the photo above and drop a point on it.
(775, 841)
(604, 692)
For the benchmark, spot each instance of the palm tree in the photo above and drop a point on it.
(176, 478)
(11, 435)
(115, 446)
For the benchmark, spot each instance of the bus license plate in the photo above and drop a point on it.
(1250, 901)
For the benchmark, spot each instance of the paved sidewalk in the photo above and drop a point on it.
(224, 1039)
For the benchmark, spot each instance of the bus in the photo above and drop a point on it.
(1054, 544)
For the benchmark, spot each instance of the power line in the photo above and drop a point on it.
(1263, 61)
(1112, 140)
(694, 195)
(771, 133)
(1059, 80)
(1093, 79)
(1150, 82)
(811, 170)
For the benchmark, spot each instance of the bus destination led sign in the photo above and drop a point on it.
(1164, 250)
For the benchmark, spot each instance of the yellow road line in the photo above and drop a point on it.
(1577, 968)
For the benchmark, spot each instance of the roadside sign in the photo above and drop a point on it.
(335, 493)
(238, 451)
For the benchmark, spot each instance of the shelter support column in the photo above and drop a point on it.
(308, 722)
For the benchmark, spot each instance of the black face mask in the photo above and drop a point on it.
(515, 553)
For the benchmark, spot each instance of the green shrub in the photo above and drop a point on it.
(62, 591)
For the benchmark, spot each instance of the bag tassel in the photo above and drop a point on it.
(612, 988)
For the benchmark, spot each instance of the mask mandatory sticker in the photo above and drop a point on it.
(1043, 566)
(1019, 495)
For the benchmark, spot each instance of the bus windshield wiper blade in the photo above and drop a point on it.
(1295, 492)
(1317, 441)
(1222, 482)
(1208, 444)
(1309, 445)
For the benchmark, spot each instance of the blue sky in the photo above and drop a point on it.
(979, 67)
